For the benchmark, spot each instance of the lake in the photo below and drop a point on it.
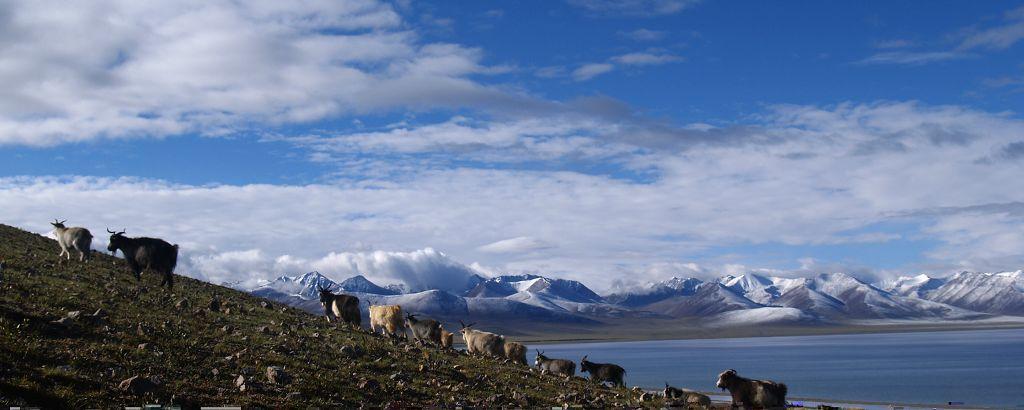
(978, 367)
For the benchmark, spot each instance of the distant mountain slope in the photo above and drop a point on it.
(711, 298)
(917, 286)
(655, 292)
(999, 293)
(70, 334)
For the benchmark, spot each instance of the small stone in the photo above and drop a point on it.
(240, 381)
(137, 385)
(368, 384)
(277, 375)
(263, 329)
(215, 372)
(143, 346)
(227, 328)
(182, 304)
(264, 304)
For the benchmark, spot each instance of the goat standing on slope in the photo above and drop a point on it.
(146, 253)
(424, 330)
(559, 367)
(603, 372)
(344, 307)
(76, 238)
(483, 343)
(750, 394)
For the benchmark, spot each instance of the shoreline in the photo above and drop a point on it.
(753, 332)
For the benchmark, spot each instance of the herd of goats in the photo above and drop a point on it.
(157, 255)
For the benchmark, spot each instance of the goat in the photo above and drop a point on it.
(447, 339)
(516, 352)
(76, 238)
(480, 342)
(424, 330)
(146, 253)
(750, 394)
(603, 372)
(689, 398)
(560, 367)
(344, 307)
(388, 318)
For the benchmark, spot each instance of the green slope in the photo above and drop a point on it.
(196, 353)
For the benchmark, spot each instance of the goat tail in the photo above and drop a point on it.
(174, 257)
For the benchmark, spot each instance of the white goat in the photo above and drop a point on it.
(76, 238)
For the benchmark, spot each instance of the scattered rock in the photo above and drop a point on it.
(263, 329)
(137, 385)
(215, 372)
(368, 385)
(227, 311)
(264, 304)
(227, 328)
(277, 375)
(352, 351)
(182, 304)
(143, 346)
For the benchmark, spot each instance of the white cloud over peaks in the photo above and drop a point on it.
(520, 244)
(114, 69)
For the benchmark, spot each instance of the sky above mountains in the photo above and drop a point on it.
(611, 142)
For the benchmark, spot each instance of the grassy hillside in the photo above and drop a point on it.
(196, 354)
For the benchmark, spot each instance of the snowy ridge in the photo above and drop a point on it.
(738, 300)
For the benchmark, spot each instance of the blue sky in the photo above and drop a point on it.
(611, 142)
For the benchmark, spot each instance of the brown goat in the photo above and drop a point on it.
(447, 339)
(753, 394)
(516, 352)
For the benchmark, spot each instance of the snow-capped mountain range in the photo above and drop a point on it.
(729, 300)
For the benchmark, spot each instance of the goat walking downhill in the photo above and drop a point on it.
(603, 372)
(76, 238)
(559, 367)
(146, 253)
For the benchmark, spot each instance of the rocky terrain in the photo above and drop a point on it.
(77, 335)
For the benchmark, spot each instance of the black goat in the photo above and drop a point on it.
(146, 253)
(603, 372)
(344, 307)
(751, 394)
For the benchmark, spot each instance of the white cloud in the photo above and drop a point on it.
(120, 69)
(914, 57)
(643, 34)
(635, 8)
(999, 37)
(520, 244)
(801, 175)
(646, 59)
(591, 70)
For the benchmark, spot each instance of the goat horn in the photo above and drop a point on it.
(62, 221)
(108, 229)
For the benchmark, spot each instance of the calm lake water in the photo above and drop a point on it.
(974, 367)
